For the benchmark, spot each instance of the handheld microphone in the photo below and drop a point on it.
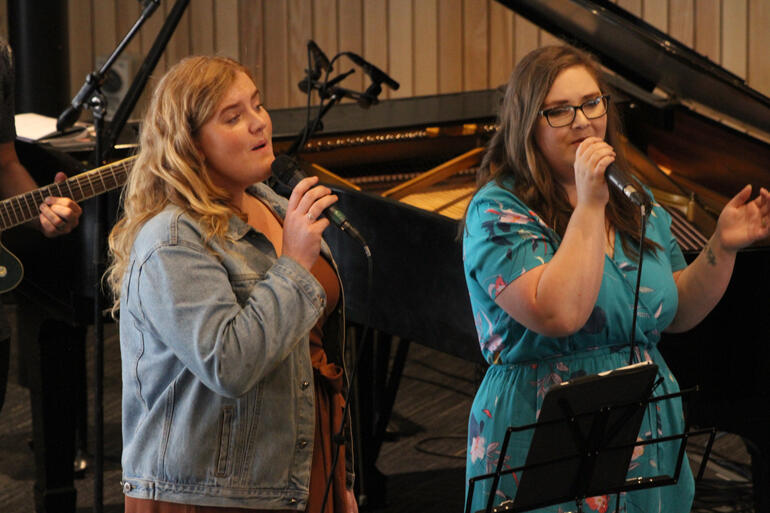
(626, 186)
(375, 73)
(286, 171)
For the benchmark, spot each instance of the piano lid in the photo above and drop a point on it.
(647, 56)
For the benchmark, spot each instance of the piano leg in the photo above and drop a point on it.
(51, 368)
(375, 389)
(370, 482)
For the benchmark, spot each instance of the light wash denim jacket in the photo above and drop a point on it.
(218, 400)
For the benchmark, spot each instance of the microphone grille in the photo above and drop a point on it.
(286, 171)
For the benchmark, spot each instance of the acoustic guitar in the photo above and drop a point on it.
(24, 208)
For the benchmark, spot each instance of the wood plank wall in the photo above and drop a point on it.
(429, 46)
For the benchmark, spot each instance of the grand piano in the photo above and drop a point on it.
(695, 134)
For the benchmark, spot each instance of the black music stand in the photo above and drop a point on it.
(584, 440)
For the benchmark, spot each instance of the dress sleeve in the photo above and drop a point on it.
(503, 239)
(668, 241)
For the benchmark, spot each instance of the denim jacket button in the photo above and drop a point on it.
(126, 487)
(302, 444)
(292, 501)
(305, 384)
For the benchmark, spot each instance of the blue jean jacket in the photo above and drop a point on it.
(218, 400)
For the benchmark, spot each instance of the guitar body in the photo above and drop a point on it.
(11, 270)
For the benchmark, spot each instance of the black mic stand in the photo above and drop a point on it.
(95, 79)
(327, 90)
(105, 137)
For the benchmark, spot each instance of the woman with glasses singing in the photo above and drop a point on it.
(550, 255)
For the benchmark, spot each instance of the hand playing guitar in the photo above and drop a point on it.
(58, 215)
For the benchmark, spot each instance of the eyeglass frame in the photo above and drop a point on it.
(544, 112)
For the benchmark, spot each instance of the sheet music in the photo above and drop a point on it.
(33, 127)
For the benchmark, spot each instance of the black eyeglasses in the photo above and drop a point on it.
(564, 115)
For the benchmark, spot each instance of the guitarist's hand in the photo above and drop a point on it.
(58, 215)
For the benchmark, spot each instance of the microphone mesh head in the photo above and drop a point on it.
(286, 171)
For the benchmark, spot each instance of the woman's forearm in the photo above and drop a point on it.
(701, 285)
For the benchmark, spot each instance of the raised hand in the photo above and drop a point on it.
(592, 157)
(743, 222)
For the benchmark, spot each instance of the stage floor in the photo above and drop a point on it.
(423, 459)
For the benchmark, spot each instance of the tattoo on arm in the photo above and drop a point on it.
(712, 259)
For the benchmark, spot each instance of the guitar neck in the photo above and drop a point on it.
(24, 207)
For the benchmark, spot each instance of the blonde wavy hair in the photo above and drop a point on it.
(169, 168)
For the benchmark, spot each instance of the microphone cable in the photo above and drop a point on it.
(338, 439)
(642, 231)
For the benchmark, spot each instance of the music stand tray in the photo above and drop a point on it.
(586, 429)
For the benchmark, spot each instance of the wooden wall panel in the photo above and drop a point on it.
(400, 48)
(708, 29)
(375, 35)
(655, 12)
(632, 6)
(275, 85)
(425, 47)
(105, 31)
(759, 46)
(548, 39)
(681, 21)
(501, 44)
(300, 31)
(351, 39)
(81, 44)
(475, 45)
(147, 35)
(226, 28)
(325, 27)
(735, 36)
(180, 45)
(526, 37)
(250, 33)
(450, 44)
(429, 46)
(202, 27)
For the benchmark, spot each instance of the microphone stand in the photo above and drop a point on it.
(105, 139)
(95, 79)
(334, 95)
(643, 230)
(328, 90)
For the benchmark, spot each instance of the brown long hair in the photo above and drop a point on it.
(513, 152)
(169, 168)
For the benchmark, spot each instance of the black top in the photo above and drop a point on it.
(7, 126)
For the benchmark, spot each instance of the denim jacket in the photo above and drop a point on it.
(218, 399)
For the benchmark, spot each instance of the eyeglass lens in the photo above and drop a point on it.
(562, 116)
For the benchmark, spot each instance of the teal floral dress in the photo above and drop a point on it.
(503, 239)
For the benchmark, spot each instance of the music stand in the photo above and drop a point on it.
(583, 441)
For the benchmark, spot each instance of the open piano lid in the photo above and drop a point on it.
(647, 56)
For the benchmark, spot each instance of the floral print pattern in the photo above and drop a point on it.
(504, 239)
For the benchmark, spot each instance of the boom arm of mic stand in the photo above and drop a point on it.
(142, 76)
(95, 79)
(335, 95)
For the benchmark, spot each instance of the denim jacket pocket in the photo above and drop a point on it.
(225, 431)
